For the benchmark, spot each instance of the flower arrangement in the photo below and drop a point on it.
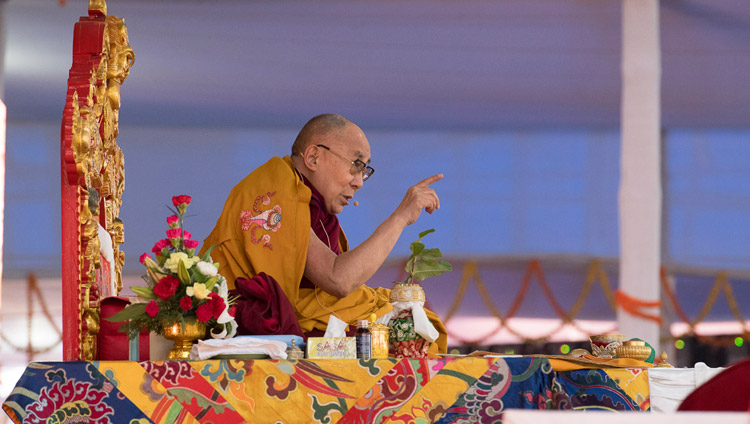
(179, 285)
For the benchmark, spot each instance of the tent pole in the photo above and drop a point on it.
(640, 176)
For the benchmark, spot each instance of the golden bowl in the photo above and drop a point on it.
(633, 349)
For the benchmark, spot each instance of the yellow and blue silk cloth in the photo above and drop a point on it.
(448, 390)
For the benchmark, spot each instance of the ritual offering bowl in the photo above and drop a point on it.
(633, 349)
(604, 345)
(184, 336)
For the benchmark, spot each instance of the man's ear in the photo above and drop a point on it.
(310, 157)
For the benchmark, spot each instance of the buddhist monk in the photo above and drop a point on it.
(279, 236)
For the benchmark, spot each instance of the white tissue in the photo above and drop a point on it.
(335, 328)
(206, 349)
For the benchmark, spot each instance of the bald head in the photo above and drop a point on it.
(318, 126)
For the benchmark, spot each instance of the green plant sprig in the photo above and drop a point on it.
(424, 263)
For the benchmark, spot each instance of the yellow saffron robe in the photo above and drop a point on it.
(265, 227)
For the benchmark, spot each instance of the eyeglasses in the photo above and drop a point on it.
(357, 165)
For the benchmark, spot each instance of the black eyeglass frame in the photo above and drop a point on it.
(357, 165)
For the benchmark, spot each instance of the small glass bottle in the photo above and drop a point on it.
(364, 340)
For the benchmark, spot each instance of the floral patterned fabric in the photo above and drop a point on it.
(461, 390)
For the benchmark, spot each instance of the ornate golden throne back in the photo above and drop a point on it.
(93, 177)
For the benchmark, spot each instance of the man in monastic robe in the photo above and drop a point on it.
(279, 231)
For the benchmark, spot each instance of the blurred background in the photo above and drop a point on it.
(516, 102)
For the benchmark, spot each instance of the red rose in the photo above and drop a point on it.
(166, 287)
(186, 303)
(182, 199)
(152, 308)
(217, 304)
(204, 312)
(232, 310)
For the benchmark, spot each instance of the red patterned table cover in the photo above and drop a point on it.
(465, 390)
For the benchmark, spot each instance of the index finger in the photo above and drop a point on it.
(427, 181)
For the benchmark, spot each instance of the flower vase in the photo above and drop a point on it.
(404, 342)
(184, 337)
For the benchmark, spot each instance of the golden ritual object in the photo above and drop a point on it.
(663, 363)
(93, 175)
(379, 338)
(633, 349)
(184, 337)
(293, 352)
(605, 345)
(402, 292)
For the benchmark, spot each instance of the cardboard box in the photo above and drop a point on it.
(331, 348)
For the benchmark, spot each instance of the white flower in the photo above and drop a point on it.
(174, 259)
(207, 269)
(198, 290)
(224, 293)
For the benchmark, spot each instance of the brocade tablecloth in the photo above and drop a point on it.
(452, 390)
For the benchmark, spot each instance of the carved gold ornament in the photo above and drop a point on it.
(93, 171)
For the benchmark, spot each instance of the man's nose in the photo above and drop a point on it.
(358, 180)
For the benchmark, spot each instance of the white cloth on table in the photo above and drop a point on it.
(206, 349)
(532, 416)
(668, 387)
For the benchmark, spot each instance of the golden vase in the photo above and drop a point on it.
(184, 337)
(402, 292)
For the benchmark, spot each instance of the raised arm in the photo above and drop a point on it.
(341, 275)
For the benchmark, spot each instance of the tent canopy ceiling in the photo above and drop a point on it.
(413, 64)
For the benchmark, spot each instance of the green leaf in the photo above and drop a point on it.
(199, 278)
(425, 232)
(136, 310)
(430, 268)
(211, 282)
(144, 292)
(182, 273)
(430, 254)
(207, 256)
(416, 248)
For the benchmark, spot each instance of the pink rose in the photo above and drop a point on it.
(204, 312)
(181, 203)
(186, 303)
(160, 246)
(144, 257)
(174, 233)
(166, 287)
(152, 308)
(182, 199)
(173, 221)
